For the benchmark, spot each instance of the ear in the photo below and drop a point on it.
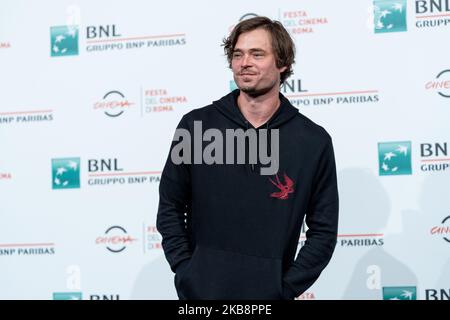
(282, 69)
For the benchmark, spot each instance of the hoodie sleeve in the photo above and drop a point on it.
(322, 222)
(174, 202)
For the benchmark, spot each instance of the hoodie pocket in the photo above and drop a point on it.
(218, 274)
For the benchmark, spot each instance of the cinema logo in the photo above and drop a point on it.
(432, 13)
(152, 239)
(441, 84)
(160, 100)
(116, 239)
(299, 22)
(26, 249)
(104, 38)
(442, 230)
(245, 16)
(300, 96)
(25, 117)
(113, 104)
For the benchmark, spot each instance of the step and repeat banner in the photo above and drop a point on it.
(91, 93)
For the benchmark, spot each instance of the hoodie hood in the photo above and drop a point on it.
(227, 105)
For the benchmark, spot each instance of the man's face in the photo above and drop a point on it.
(253, 63)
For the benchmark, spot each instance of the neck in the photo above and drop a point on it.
(258, 110)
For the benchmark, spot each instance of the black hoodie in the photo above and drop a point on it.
(229, 232)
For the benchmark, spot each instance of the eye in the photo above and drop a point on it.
(236, 55)
(258, 54)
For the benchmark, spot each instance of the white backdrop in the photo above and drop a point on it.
(91, 92)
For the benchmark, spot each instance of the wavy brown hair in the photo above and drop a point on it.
(282, 44)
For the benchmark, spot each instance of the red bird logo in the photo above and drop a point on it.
(285, 189)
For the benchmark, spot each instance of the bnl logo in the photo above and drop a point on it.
(399, 293)
(67, 296)
(65, 173)
(394, 158)
(79, 296)
(389, 16)
(63, 41)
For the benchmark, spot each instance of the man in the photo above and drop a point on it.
(230, 231)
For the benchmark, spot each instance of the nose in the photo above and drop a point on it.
(246, 60)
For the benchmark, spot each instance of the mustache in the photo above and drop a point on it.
(245, 72)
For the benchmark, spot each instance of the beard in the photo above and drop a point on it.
(253, 90)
